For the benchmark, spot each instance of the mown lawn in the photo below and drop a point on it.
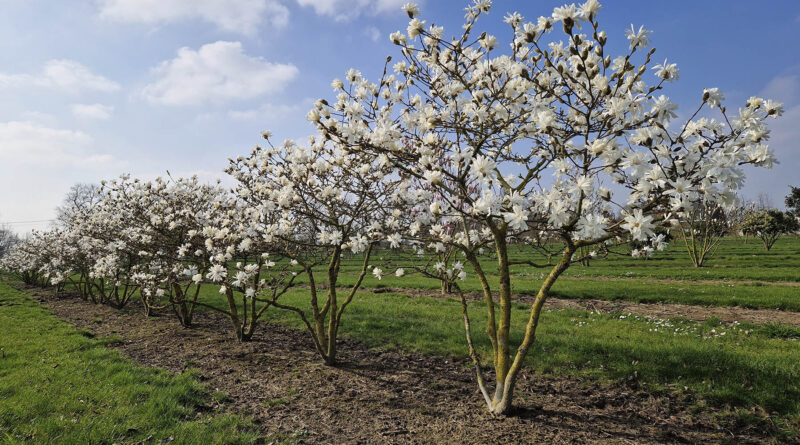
(59, 385)
(749, 295)
(744, 275)
(734, 260)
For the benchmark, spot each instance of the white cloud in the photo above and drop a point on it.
(271, 112)
(217, 72)
(40, 117)
(240, 16)
(39, 164)
(373, 33)
(343, 10)
(23, 142)
(93, 111)
(784, 89)
(67, 75)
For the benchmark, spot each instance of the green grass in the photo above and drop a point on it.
(59, 385)
(751, 295)
(734, 260)
(631, 279)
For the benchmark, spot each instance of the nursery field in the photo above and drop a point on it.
(604, 368)
(743, 275)
(503, 231)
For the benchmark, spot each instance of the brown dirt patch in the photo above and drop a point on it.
(726, 314)
(390, 397)
(689, 282)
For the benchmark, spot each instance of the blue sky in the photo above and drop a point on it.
(92, 89)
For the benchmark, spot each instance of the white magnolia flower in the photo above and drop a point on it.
(411, 9)
(394, 240)
(217, 273)
(517, 219)
(639, 225)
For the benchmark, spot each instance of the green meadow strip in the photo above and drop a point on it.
(59, 385)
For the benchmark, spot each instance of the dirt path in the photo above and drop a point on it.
(391, 397)
(685, 282)
(727, 314)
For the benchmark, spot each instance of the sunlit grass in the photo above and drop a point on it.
(59, 385)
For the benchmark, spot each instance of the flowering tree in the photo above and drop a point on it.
(701, 228)
(241, 263)
(769, 225)
(329, 201)
(7, 239)
(505, 145)
(159, 215)
(28, 259)
(114, 258)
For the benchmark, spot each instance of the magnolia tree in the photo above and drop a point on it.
(7, 239)
(243, 266)
(769, 225)
(115, 258)
(737, 215)
(78, 251)
(58, 257)
(28, 260)
(499, 145)
(324, 201)
(701, 228)
(66, 259)
(159, 216)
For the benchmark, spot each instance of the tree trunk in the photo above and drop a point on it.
(501, 402)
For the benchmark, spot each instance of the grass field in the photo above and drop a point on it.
(740, 274)
(59, 385)
(746, 371)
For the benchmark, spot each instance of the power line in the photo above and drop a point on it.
(26, 222)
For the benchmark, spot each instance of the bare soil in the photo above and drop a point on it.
(727, 314)
(390, 397)
(690, 282)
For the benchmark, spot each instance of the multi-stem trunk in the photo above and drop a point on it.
(326, 323)
(502, 405)
(506, 369)
(769, 240)
(183, 306)
(233, 314)
(337, 312)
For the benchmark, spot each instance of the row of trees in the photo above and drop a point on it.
(702, 228)
(7, 239)
(460, 148)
